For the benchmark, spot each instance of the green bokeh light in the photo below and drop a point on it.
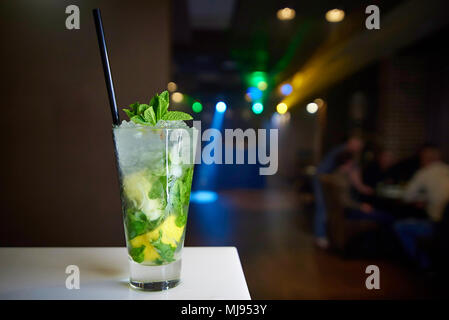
(197, 107)
(256, 77)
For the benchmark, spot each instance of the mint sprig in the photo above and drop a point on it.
(166, 251)
(137, 223)
(157, 109)
(137, 254)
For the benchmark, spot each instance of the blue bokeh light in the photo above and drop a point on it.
(286, 89)
(220, 107)
(254, 93)
(203, 196)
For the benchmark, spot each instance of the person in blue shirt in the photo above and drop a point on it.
(327, 165)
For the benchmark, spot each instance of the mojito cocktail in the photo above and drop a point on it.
(155, 156)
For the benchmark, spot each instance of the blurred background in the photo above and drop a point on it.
(362, 118)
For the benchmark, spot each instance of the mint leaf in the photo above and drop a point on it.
(138, 119)
(154, 102)
(181, 220)
(141, 108)
(176, 192)
(162, 107)
(164, 96)
(176, 115)
(187, 186)
(129, 113)
(181, 197)
(140, 112)
(137, 254)
(132, 110)
(133, 107)
(150, 116)
(166, 251)
(158, 190)
(137, 223)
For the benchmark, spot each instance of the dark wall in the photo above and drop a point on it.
(58, 176)
(352, 106)
(414, 97)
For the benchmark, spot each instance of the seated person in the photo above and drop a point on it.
(429, 186)
(378, 170)
(403, 170)
(353, 146)
(343, 179)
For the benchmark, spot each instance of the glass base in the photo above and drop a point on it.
(154, 286)
(154, 278)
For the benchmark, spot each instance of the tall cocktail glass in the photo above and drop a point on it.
(155, 170)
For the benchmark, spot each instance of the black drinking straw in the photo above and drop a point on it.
(106, 66)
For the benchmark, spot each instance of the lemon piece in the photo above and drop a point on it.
(171, 234)
(150, 254)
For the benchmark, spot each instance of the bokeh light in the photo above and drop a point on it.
(286, 89)
(335, 15)
(262, 85)
(197, 107)
(220, 107)
(280, 120)
(171, 86)
(312, 107)
(254, 93)
(286, 14)
(281, 108)
(203, 196)
(177, 97)
(256, 77)
(319, 102)
(298, 80)
(257, 108)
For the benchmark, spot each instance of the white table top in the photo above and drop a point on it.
(39, 273)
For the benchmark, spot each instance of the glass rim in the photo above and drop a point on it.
(117, 127)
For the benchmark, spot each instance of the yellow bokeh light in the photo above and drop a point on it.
(286, 14)
(171, 86)
(281, 108)
(262, 85)
(247, 97)
(177, 97)
(335, 15)
(298, 79)
(319, 102)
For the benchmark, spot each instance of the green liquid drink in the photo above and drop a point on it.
(156, 169)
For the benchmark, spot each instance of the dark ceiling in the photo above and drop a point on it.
(217, 42)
